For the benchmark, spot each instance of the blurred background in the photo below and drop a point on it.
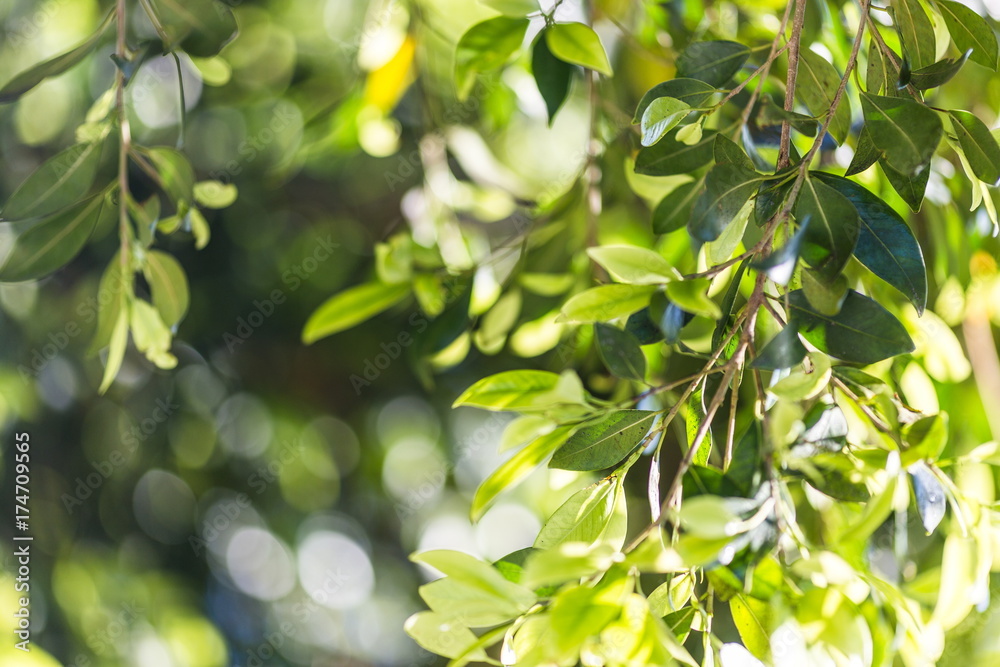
(256, 505)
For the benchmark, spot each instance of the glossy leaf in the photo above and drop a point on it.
(486, 46)
(754, 620)
(970, 31)
(692, 92)
(605, 443)
(785, 350)
(928, 494)
(714, 62)
(916, 32)
(727, 188)
(907, 132)
(979, 146)
(61, 181)
(674, 210)
(866, 154)
(351, 307)
(670, 157)
(578, 44)
(51, 243)
(862, 332)
(818, 81)
(552, 76)
(938, 73)
(633, 264)
(833, 227)
(661, 116)
(885, 243)
(605, 303)
(910, 188)
(620, 352)
(34, 75)
(523, 390)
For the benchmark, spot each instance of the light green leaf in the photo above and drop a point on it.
(116, 349)
(970, 31)
(168, 285)
(584, 517)
(150, 335)
(916, 31)
(802, 386)
(469, 569)
(578, 44)
(438, 633)
(215, 194)
(979, 146)
(524, 390)
(661, 116)
(513, 7)
(754, 620)
(690, 91)
(605, 303)
(632, 264)
(486, 46)
(692, 296)
(351, 307)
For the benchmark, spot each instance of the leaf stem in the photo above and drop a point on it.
(125, 137)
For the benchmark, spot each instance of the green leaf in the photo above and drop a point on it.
(578, 44)
(584, 517)
(862, 332)
(969, 30)
(785, 350)
(486, 46)
(440, 634)
(772, 115)
(694, 421)
(605, 443)
(462, 567)
(928, 494)
(826, 296)
(661, 116)
(715, 63)
(818, 82)
(780, 264)
(916, 32)
(907, 132)
(674, 210)
(515, 469)
(910, 188)
(116, 348)
(34, 75)
(635, 265)
(513, 7)
(61, 181)
(690, 91)
(523, 390)
(214, 194)
(168, 285)
(926, 439)
(670, 157)
(202, 28)
(468, 604)
(979, 146)
(620, 352)
(882, 74)
(642, 327)
(833, 227)
(552, 76)
(754, 620)
(866, 155)
(939, 73)
(727, 188)
(692, 296)
(605, 303)
(51, 243)
(727, 151)
(351, 307)
(176, 173)
(885, 243)
(802, 386)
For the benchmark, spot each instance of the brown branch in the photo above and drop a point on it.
(798, 23)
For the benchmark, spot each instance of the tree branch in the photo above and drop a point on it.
(785, 148)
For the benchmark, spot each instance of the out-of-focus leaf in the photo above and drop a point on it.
(351, 307)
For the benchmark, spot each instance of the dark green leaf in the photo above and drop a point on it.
(783, 351)
(552, 76)
(969, 30)
(727, 189)
(866, 154)
(862, 332)
(818, 81)
(727, 151)
(745, 470)
(825, 295)
(60, 181)
(669, 157)
(770, 198)
(771, 115)
(33, 76)
(486, 46)
(916, 32)
(620, 352)
(885, 243)
(602, 445)
(674, 210)
(907, 132)
(939, 73)
(928, 494)
(833, 227)
(643, 328)
(691, 91)
(882, 74)
(714, 62)
(728, 302)
(978, 144)
(202, 28)
(49, 244)
(780, 264)
(910, 188)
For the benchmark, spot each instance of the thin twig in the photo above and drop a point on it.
(125, 142)
(785, 148)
